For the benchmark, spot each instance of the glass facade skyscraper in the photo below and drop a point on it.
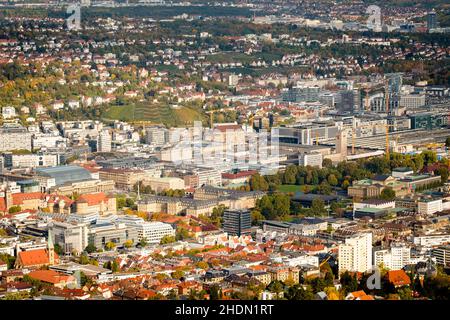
(237, 222)
(431, 20)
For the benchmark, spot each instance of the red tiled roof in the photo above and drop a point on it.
(56, 198)
(358, 294)
(398, 278)
(146, 293)
(66, 292)
(19, 285)
(316, 247)
(35, 257)
(239, 174)
(19, 198)
(258, 267)
(194, 228)
(170, 219)
(49, 276)
(188, 284)
(367, 297)
(361, 295)
(93, 199)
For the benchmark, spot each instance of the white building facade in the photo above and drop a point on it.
(355, 255)
(429, 207)
(394, 258)
(152, 231)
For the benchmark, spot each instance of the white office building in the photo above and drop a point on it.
(8, 112)
(431, 240)
(300, 261)
(310, 159)
(412, 101)
(429, 207)
(374, 204)
(31, 160)
(208, 176)
(153, 231)
(442, 255)
(44, 140)
(70, 236)
(13, 137)
(394, 258)
(104, 141)
(355, 255)
(156, 136)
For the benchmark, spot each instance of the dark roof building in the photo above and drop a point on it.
(306, 199)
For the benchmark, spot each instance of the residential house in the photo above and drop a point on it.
(398, 278)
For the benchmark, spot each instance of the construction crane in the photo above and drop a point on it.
(353, 139)
(366, 87)
(251, 119)
(211, 118)
(326, 259)
(386, 96)
(388, 147)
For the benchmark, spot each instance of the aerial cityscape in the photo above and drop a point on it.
(228, 150)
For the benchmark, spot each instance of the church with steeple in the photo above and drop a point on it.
(37, 258)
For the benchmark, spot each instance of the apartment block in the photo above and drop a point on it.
(14, 138)
(442, 255)
(101, 234)
(428, 206)
(394, 258)
(355, 254)
(152, 232)
(30, 160)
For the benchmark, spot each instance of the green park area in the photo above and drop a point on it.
(288, 188)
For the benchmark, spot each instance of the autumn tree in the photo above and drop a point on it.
(167, 239)
(128, 243)
(387, 194)
(110, 245)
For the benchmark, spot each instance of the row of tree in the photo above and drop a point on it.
(345, 172)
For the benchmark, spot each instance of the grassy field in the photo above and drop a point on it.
(287, 188)
(188, 115)
(154, 113)
(125, 113)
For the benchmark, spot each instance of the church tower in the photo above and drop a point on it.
(51, 249)
(341, 144)
(8, 198)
